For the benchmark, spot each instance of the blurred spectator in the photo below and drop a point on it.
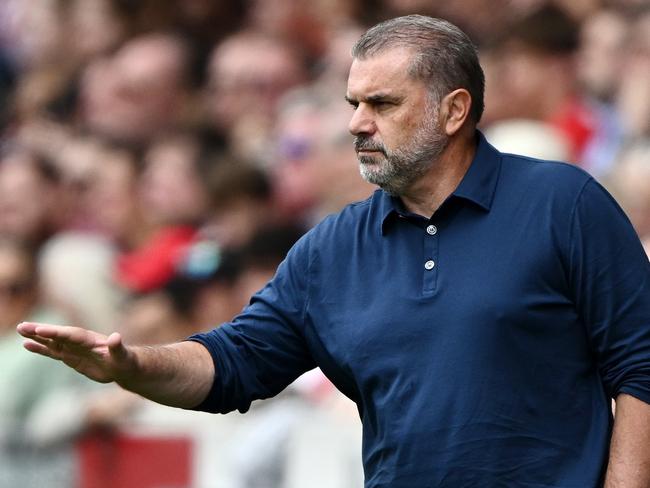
(204, 286)
(28, 192)
(600, 61)
(261, 256)
(479, 18)
(207, 21)
(634, 90)
(305, 25)
(19, 284)
(141, 90)
(534, 49)
(173, 201)
(87, 167)
(631, 6)
(316, 171)
(77, 159)
(25, 381)
(111, 200)
(248, 73)
(172, 185)
(33, 30)
(156, 317)
(33, 38)
(630, 183)
(76, 271)
(61, 39)
(334, 65)
(240, 202)
(579, 10)
(95, 27)
(149, 266)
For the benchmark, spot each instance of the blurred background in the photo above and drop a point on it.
(158, 159)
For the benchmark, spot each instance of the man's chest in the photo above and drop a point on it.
(443, 298)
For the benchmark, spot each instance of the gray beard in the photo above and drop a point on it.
(396, 171)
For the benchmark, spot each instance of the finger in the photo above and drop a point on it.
(61, 332)
(26, 328)
(35, 329)
(41, 349)
(71, 335)
(46, 342)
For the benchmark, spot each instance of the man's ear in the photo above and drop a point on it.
(454, 110)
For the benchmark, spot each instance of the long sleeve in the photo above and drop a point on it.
(263, 349)
(610, 274)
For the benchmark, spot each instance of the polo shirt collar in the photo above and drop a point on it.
(477, 186)
(480, 182)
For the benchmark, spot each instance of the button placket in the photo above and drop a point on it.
(430, 267)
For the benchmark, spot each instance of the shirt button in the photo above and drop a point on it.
(429, 264)
(432, 230)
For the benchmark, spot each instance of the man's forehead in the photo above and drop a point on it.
(383, 72)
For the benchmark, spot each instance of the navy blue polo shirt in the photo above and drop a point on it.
(482, 345)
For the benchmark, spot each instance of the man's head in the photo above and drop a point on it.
(415, 82)
(443, 56)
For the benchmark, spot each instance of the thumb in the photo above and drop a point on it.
(116, 347)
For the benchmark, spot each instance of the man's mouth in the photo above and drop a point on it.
(366, 146)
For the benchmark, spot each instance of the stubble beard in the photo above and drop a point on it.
(395, 171)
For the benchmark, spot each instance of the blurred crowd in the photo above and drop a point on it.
(159, 157)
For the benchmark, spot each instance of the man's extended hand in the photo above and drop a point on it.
(179, 375)
(101, 358)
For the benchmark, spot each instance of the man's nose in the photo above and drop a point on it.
(362, 121)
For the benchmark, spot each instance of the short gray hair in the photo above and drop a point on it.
(444, 56)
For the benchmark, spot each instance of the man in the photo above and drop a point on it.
(481, 310)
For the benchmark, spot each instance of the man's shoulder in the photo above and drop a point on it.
(547, 170)
(544, 178)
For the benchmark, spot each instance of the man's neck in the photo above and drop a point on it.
(430, 191)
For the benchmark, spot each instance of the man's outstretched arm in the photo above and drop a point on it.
(629, 459)
(179, 375)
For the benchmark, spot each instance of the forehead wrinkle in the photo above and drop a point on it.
(384, 72)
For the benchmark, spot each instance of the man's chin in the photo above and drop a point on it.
(379, 180)
(369, 175)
